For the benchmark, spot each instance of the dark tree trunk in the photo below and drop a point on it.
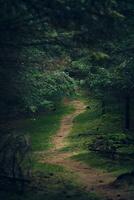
(127, 112)
(103, 107)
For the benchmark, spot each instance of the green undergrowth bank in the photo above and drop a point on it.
(92, 125)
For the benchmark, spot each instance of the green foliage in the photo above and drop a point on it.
(117, 15)
(124, 76)
(100, 81)
(79, 69)
(37, 42)
(38, 91)
(99, 56)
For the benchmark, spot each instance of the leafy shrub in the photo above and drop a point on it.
(108, 144)
(42, 90)
(79, 69)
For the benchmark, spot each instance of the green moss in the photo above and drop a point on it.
(47, 168)
(98, 161)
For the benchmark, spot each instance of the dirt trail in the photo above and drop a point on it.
(92, 180)
(66, 125)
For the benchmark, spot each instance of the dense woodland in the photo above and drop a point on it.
(51, 50)
(45, 42)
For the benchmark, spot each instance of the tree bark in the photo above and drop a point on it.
(127, 112)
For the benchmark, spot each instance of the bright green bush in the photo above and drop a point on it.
(40, 91)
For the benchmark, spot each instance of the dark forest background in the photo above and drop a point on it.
(43, 42)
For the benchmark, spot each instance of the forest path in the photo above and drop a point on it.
(91, 179)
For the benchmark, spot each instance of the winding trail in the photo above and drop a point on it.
(91, 179)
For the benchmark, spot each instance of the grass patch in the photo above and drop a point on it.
(47, 168)
(94, 160)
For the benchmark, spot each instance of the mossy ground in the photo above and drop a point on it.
(52, 182)
(91, 124)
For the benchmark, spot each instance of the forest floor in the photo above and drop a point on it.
(63, 167)
(88, 177)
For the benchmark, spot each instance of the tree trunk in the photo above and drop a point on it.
(127, 112)
(103, 107)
